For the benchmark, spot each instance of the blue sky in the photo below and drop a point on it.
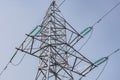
(18, 17)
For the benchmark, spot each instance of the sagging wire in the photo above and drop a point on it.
(22, 56)
(105, 60)
(98, 21)
(9, 62)
(86, 40)
(102, 70)
(13, 57)
(4, 69)
(19, 61)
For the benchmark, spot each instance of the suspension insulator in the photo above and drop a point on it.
(100, 61)
(35, 31)
(86, 31)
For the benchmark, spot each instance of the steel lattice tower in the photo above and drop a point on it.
(53, 43)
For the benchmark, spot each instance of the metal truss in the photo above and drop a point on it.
(53, 43)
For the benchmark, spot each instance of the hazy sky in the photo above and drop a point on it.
(18, 17)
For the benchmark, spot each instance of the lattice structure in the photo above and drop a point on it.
(53, 43)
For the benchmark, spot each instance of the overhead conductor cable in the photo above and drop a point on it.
(84, 44)
(102, 60)
(98, 21)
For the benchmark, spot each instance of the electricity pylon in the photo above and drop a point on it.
(53, 43)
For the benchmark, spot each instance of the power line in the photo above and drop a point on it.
(83, 44)
(4, 69)
(102, 70)
(61, 3)
(114, 52)
(99, 20)
(86, 40)
(106, 63)
(19, 61)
